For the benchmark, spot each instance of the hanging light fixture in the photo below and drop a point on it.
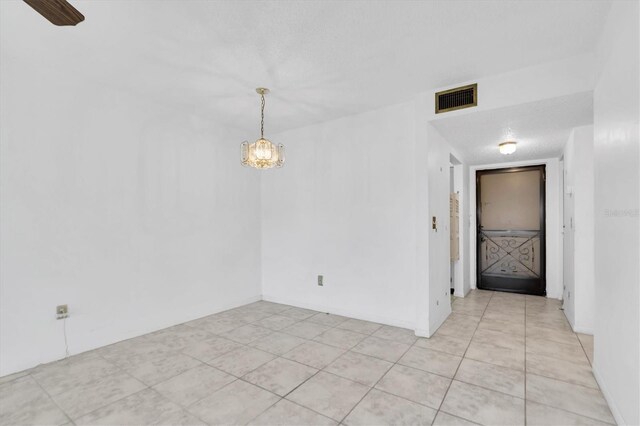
(507, 148)
(262, 154)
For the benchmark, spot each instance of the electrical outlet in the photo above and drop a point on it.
(321, 280)
(62, 311)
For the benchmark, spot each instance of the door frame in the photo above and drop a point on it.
(553, 220)
(542, 215)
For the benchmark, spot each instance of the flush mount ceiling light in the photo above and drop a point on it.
(507, 148)
(262, 154)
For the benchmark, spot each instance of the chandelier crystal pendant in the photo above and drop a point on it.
(262, 154)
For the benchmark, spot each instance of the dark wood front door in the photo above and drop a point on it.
(510, 205)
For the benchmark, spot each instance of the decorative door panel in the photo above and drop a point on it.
(510, 235)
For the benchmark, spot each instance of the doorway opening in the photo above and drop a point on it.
(510, 236)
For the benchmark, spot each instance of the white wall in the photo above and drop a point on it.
(617, 199)
(579, 291)
(136, 215)
(461, 272)
(439, 239)
(553, 216)
(344, 207)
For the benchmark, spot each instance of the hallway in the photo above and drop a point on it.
(268, 363)
(523, 350)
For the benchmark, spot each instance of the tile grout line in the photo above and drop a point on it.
(306, 340)
(51, 398)
(378, 381)
(463, 357)
(281, 356)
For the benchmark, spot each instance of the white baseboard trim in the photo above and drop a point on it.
(421, 332)
(607, 396)
(344, 312)
(119, 332)
(582, 330)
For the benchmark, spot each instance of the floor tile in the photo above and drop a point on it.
(359, 368)
(402, 335)
(247, 333)
(482, 405)
(360, 326)
(329, 395)
(429, 360)
(67, 374)
(543, 415)
(216, 325)
(452, 329)
(494, 377)
(505, 317)
(269, 307)
(381, 408)
(415, 385)
(277, 343)
(327, 319)
(340, 338)
(567, 352)
(560, 336)
(243, 378)
(245, 315)
(567, 396)
(388, 350)
(492, 354)
(241, 361)
(444, 419)
(210, 348)
(235, 404)
(587, 343)
(11, 377)
(89, 396)
(298, 313)
(23, 402)
(502, 326)
(148, 361)
(287, 413)
(179, 336)
(496, 338)
(314, 354)
(160, 368)
(276, 322)
(147, 407)
(567, 371)
(306, 329)
(280, 376)
(193, 385)
(443, 343)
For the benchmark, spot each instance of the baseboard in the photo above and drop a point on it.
(582, 330)
(343, 312)
(607, 396)
(433, 327)
(421, 332)
(81, 343)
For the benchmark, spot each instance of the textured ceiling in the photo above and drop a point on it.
(322, 59)
(541, 129)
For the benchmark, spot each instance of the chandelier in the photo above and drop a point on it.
(262, 154)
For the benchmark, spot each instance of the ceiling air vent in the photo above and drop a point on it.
(460, 97)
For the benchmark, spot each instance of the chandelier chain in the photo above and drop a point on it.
(262, 118)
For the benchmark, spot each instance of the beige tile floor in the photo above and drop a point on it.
(498, 359)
